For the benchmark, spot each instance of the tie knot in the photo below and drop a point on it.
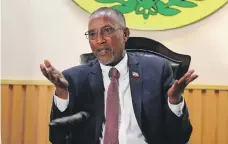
(113, 72)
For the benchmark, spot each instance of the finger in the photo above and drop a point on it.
(48, 64)
(56, 72)
(185, 77)
(192, 78)
(50, 74)
(44, 71)
(57, 82)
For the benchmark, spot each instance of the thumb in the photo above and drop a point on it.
(62, 80)
(175, 84)
(172, 90)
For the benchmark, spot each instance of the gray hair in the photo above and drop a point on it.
(108, 11)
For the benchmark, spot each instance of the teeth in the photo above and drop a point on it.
(103, 51)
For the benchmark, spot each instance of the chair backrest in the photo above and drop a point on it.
(148, 47)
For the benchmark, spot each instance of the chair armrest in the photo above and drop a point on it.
(61, 128)
(68, 120)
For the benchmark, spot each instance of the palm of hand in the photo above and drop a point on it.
(178, 86)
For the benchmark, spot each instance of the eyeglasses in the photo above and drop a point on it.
(105, 31)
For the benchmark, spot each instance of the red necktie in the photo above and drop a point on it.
(112, 109)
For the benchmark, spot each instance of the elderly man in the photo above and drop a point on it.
(131, 99)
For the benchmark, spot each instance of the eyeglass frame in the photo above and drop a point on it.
(100, 32)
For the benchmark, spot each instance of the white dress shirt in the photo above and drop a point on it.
(129, 131)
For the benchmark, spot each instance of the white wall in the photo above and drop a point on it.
(36, 30)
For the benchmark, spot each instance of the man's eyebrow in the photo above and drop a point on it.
(108, 25)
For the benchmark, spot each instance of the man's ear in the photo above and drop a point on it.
(126, 33)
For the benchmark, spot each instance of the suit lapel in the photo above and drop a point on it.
(97, 87)
(135, 77)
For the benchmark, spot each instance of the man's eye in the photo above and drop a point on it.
(92, 33)
(108, 30)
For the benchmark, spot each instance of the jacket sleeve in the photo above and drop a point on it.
(62, 133)
(176, 129)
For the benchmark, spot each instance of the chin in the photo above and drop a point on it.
(107, 62)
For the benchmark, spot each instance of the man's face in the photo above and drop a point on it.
(107, 39)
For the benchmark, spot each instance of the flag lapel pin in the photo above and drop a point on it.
(135, 75)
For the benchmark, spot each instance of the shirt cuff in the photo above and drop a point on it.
(177, 109)
(60, 103)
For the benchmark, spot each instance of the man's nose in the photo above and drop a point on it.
(100, 38)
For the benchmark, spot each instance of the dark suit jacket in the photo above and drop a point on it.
(157, 122)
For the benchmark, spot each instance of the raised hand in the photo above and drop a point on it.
(178, 87)
(56, 77)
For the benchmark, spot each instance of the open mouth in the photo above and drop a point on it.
(104, 51)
